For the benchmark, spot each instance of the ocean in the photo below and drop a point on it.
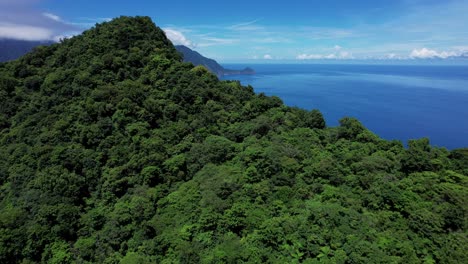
(394, 101)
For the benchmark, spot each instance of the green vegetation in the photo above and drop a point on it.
(112, 150)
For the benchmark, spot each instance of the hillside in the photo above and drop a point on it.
(197, 59)
(11, 49)
(113, 150)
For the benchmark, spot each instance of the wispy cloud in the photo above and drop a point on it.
(246, 26)
(211, 41)
(461, 48)
(326, 33)
(24, 20)
(87, 22)
(421, 32)
(437, 30)
(52, 16)
(95, 19)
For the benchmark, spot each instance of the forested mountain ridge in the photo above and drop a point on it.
(11, 49)
(112, 150)
(197, 59)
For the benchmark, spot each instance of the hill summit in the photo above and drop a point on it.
(113, 150)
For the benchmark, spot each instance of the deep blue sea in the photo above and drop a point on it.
(395, 102)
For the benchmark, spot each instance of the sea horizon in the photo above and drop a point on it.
(400, 62)
(396, 102)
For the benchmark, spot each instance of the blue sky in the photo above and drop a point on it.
(238, 31)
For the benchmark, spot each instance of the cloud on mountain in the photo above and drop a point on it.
(177, 37)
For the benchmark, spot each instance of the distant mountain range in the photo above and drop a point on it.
(213, 66)
(11, 49)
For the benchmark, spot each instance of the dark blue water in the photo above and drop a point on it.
(395, 102)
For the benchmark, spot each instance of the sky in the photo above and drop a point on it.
(240, 30)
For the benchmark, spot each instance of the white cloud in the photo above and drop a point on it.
(25, 32)
(52, 16)
(397, 35)
(246, 26)
(309, 56)
(391, 56)
(177, 37)
(24, 20)
(88, 22)
(345, 55)
(425, 53)
(461, 48)
(267, 57)
(339, 55)
(95, 19)
(211, 41)
(388, 56)
(59, 38)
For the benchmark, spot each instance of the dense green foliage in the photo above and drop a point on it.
(112, 150)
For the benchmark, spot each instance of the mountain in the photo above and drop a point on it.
(112, 150)
(197, 59)
(11, 49)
